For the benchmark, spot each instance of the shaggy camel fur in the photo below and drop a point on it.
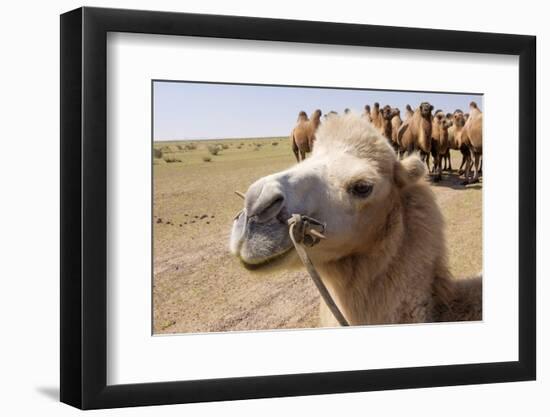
(384, 259)
(416, 132)
(303, 134)
(473, 138)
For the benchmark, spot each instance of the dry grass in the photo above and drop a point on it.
(200, 287)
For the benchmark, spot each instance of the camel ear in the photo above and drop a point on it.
(409, 171)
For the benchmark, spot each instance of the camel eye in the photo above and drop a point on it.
(360, 189)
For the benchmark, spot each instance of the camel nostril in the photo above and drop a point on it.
(266, 209)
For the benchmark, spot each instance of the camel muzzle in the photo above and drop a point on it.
(305, 232)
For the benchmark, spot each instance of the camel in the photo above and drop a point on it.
(456, 140)
(396, 123)
(447, 165)
(385, 116)
(375, 115)
(366, 114)
(416, 132)
(440, 142)
(473, 138)
(384, 259)
(303, 134)
(409, 112)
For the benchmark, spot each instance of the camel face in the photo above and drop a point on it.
(458, 119)
(426, 109)
(387, 113)
(350, 182)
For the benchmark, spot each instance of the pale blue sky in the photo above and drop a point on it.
(184, 110)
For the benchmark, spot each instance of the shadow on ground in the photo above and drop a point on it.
(452, 180)
(50, 392)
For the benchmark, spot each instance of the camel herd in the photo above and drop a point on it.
(421, 130)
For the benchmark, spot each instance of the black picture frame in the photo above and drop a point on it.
(84, 207)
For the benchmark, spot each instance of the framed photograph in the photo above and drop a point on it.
(257, 208)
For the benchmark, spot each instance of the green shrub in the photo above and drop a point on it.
(207, 158)
(213, 149)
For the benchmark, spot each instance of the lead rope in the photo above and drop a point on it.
(303, 232)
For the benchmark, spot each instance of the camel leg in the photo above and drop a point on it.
(437, 167)
(450, 169)
(428, 161)
(295, 150)
(463, 163)
(476, 167)
(480, 165)
(467, 170)
(303, 155)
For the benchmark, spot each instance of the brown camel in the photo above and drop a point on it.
(456, 140)
(473, 138)
(385, 116)
(416, 132)
(384, 259)
(375, 116)
(440, 142)
(303, 134)
(409, 112)
(396, 123)
(366, 114)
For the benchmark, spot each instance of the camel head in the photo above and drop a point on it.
(409, 108)
(439, 117)
(367, 108)
(302, 116)
(387, 112)
(395, 112)
(352, 182)
(376, 106)
(426, 109)
(458, 118)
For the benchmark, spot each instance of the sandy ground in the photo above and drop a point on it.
(199, 287)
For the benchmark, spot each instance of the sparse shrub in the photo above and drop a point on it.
(256, 149)
(171, 159)
(157, 153)
(207, 158)
(274, 143)
(158, 161)
(213, 149)
(190, 146)
(225, 146)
